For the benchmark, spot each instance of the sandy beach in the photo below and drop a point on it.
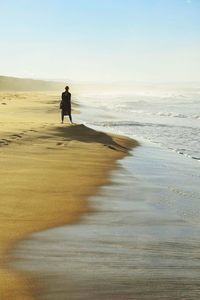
(105, 205)
(48, 170)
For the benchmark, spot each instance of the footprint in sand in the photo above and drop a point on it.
(44, 126)
(16, 136)
(5, 142)
(60, 144)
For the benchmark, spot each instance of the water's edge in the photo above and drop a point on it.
(142, 242)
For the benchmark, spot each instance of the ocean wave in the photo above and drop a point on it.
(171, 114)
(124, 107)
(130, 124)
(183, 140)
(120, 123)
(177, 115)
(167, 114)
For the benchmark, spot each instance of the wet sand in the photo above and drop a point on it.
(142, 241)
(48, 171)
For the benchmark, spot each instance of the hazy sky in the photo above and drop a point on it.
(103, 40)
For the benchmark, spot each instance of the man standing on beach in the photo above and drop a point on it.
(65, 105)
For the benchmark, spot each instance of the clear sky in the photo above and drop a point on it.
(101, 40)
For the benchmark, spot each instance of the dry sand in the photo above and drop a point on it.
(48, 170)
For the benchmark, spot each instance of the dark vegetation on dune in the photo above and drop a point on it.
(20, 84)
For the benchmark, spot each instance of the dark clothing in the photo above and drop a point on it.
(66, 104)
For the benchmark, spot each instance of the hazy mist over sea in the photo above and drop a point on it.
(165, 114)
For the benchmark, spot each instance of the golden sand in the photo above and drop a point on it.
(48, 170)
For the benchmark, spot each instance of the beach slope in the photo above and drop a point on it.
(47, 174)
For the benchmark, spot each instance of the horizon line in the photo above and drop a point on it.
(122, 81)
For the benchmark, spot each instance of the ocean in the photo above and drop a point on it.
(166, 122)
(167, 117)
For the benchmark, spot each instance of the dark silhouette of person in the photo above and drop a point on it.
(65, 105)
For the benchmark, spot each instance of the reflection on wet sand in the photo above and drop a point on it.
(139, 244)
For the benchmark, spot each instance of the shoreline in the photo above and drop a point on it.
(126, 249)
(47, 174)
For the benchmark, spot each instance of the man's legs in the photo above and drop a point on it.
(62, 116)
(70, 117)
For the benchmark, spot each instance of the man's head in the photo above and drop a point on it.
(66, 88)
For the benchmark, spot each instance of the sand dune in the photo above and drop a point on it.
(48, 170)
(8, 83)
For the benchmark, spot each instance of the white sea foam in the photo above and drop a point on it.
(168, 118)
